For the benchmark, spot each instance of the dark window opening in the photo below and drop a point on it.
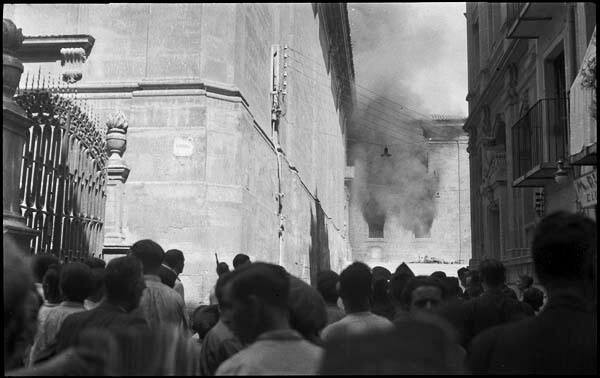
(376, 230)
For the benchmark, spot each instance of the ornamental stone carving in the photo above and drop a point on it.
(72, 59)
(116, 135)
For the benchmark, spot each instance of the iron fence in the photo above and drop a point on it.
(63, 175)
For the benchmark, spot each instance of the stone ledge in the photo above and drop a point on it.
(47, 48)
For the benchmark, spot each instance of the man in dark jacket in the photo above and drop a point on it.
(562, 339)
(493, 307)
(124, 284)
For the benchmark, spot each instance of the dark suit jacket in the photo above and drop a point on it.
(491, 308)
(105, 316)
(562, 339)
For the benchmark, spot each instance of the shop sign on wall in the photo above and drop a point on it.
(586, 189)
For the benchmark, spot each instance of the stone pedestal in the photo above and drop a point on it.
(118, 171)
(14, 130)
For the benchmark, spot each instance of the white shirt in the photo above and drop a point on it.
(355, 324)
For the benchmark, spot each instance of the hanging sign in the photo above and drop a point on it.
(585, 186)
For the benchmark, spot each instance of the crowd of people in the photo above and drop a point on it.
(128, 317)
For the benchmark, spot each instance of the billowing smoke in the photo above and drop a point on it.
(396, 187)
(411, 60)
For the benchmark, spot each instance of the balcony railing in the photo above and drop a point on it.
(540, 140)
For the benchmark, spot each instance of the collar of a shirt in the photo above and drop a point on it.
(168, 267)
(280, 334)
(152, 277)
(71, 304)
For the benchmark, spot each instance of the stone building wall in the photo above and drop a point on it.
(450, 234)
(507, 78)
(193, 81)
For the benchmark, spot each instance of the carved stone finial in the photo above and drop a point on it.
(12, 38)
(72, 59)
(116, 135)
(117, 120)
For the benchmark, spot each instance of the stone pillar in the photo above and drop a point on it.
(14, 130)
(118, 171)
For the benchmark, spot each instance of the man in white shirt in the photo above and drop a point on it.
(260, 318)
(355, 291)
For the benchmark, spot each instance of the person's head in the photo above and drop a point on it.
(75, 282)
(239, 260)
(439, 275)
(524, 282)
(40, 264)
(380, 272)
(175, 260)
(222, 268)
(493, 273)
(204, 318)
(355, 287)
(95, 262)
(17, 290)
(223, 295)
(308, 314)
(51, 284)
(462, 275)
(533, 297)
(453, 290)
(473, 278)
(150, 254)
(404, 270)
(327, 281)
(397, 285)
(124, 282)
(97, 284)
(379, 293)
(259, 296)
(564, 251)
(423, 293)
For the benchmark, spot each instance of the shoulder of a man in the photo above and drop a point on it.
(238, 364)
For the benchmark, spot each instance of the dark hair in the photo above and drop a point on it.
(222, 268)
(397, 285)
(97, 279)
(327, 285)
(355, 283)
(526, 280)
(268, 282)
(533, 297)
(439, 275)
(493, 272)
(452, 287)
(149, 253)
(308, 314)
(51, 284)
(404, 269)
(417, 282)
(40, 264)
(75, 281)
(95, 262)
(475, 277)
(240, 259)
(462, 271)
(173, 258)
(221, 282)
(204, 318)
(562, 247)
(120, 278)
(380, 272)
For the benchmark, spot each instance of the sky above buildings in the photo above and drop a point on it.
(412, 53)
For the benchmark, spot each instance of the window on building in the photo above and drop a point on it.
(376, 229)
